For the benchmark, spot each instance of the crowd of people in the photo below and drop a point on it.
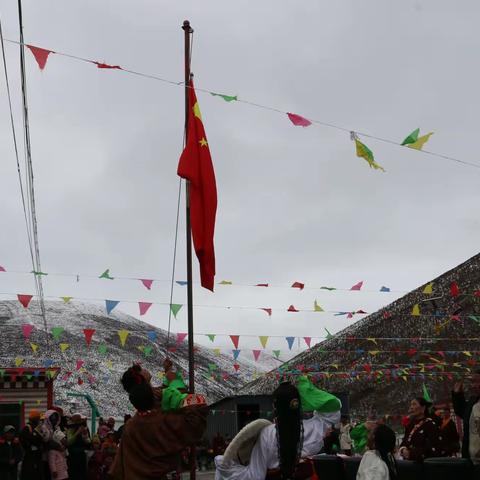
(156, 442)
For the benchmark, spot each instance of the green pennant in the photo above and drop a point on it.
(227, 98)
(106, 274)
(56, 332)
(329, 335)
(51, 373)
(29, 377)
(147, 351)
(276, 353)
(412, 138)
(2, 372)
(211, 337)
(102, 349)
(38, 273)
(328, 288)
(212, 366)
(175, 308)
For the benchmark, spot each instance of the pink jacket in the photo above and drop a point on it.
(57, 462)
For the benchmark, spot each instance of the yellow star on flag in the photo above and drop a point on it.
(203, 142)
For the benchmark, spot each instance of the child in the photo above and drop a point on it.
(57, 457)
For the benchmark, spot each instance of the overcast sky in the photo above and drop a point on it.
(294, 204)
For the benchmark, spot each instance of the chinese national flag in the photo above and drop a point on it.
(196, 166)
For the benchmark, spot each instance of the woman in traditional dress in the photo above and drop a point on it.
(378, 463)
(422, 436)
(279, 450)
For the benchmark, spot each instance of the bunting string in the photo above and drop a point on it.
(41, 56)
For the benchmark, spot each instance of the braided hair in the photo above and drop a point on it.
(289, 428)
(384, 441)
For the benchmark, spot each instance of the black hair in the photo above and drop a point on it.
(384, 441)
(132, 377)
(141, 397)
(426, 406)
(289, 428)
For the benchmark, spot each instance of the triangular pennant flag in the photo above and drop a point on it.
(225, 282)
(299, 121)
(27, 330)
(24, 299)
(56, 332)
(276, 353)
(109, 364)
(64, 346)
(144, 306)
(364, 152)
(412, 138)
(146, 283)
(147, 350)
(308, 341)
(182, 283)
(328, 288)
(290, 341)
(416, 310)
(454, 290)
(256, 354)
(110, 305)
(235, 339)
(102, 349)
(298, 285)
(40, 54)
(384, 289)
(51, 374)
(106, 274)
(152, 335)
(291, 308)
(18, 361)
(428, 289)
(317, 307)
(175, 308)
(211, 336)
(227, 98)
(236, 353)
(263, 340)
(261, 285)
(106, 65)
(236, 366)
(418, 145)
(34, 347)
(181, 337)
(357, 286)
(216, 351)
(268, 310)
(88, 332)
(426, 394)
(66, 299)
(329, 335)
(123, 335)
(2, 269)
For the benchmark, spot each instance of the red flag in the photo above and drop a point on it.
(106, 65)
(299, 285)
(40, 54)
(235, 339)
(196, 166)
(24, 299)
(454, 290)
(88, 332)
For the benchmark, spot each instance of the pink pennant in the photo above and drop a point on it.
(27, 330)
(261, 285)
(80, 364)
(106, 65)
(88, 332)
(235, 339)
(349, 315)
(147, 283)
(66, 376)
(308, 341)
(144, 306)
(236, 366)
(268, 310)
(2, 269)
(357, 286)
(40, 54)
(24, 299)
(181, 337)
(298, 285)
(360, 311)
(298, 121)
(291, 308)
(256, 354)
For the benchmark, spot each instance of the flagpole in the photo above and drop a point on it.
(191, 353)
(191, 359)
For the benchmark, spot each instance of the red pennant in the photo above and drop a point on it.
(181, 337)
(387, 314)
(235, 339)
(357, 286)
(236, 366)
(144, 306)
(298, 285)
(308, 340)
(261, 285)
(454, 290)
(268, 310)
(476, 293)
(256, 354)
(88, 332)
(368, 368)
(291, 308)
(411, 352)
(80, 364)
(2, 269)
(299, 121)
(172, 349)
(147, 283)
(80, 381)
(40, 54)
(106, 65)
(27, 330)
(24, 299)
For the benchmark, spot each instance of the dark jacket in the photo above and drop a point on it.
(463, 409)
(9, 452)
(32, 444)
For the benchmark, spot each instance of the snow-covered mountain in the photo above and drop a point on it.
(96, 369)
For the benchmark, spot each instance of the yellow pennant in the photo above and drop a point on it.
(64, 346)
(225, 282)
(416, 310)
(123, 335)
(418, 145)
(373, 340)
(18, 361)
(468, 354)
(34, 347)
(263, 340)
(428, 289)
(66, 299)
(109, 364)
(374, 352)
(317, 307)
(216, 351)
